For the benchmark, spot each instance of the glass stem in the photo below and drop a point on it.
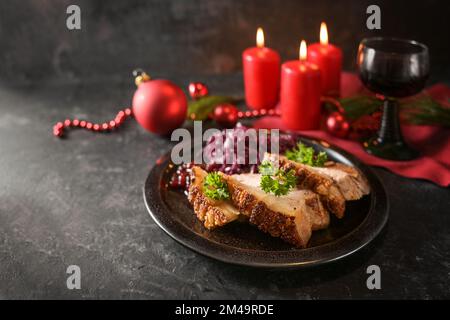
(390, 130)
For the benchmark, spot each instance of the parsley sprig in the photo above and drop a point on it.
(276, 181)
(215, 187)
(306, 155)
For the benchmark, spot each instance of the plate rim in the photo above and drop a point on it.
(355, 240)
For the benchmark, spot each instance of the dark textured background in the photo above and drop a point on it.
(202, 36)
(79, 200)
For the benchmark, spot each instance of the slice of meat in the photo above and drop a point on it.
(305, 199)
(213, 213)
(289, 217)
(352, 184)
(310, 179)
(320, 217)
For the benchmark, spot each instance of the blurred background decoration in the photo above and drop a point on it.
(179, 37)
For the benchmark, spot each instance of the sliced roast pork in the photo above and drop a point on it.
(291, 217)
(350, 181)
(310, 179)
(212, 213)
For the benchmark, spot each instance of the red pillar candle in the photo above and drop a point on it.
(329, 60)
(261, 74)
(300, 93)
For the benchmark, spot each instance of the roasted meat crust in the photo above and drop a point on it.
(274, 223)
(212, 213)
(324, 186)
(358, 179)
(206, 212)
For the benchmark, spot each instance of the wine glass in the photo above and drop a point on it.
(394, 68)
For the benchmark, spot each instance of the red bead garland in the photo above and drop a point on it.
(227, 115)
(122, 115)
(258, 113)
(59, 127)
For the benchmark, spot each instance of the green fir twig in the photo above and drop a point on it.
(201, 108)
(421, 111)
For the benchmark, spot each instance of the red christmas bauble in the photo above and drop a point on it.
(337, 125)
(159, 106)
(226, 115)
(198, 90)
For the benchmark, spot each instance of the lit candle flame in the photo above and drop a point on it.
(303, 52)
(260, 38)
(323, 34)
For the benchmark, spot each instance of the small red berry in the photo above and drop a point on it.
(197, 90)
(226, 115)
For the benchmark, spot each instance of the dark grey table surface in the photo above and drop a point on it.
(78, 201)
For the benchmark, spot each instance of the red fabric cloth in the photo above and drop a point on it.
(432, 142)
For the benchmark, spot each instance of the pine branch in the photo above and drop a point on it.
(200, 109)
(356, 107)
(427, 111)
(421, 111)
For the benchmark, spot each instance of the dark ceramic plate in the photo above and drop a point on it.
(243, 244)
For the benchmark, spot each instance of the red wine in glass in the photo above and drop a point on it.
(394, 68)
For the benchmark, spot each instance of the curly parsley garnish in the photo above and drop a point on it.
(276, 181)
(305, 155)
(215, 187)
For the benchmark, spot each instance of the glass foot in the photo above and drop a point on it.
(398, 151)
